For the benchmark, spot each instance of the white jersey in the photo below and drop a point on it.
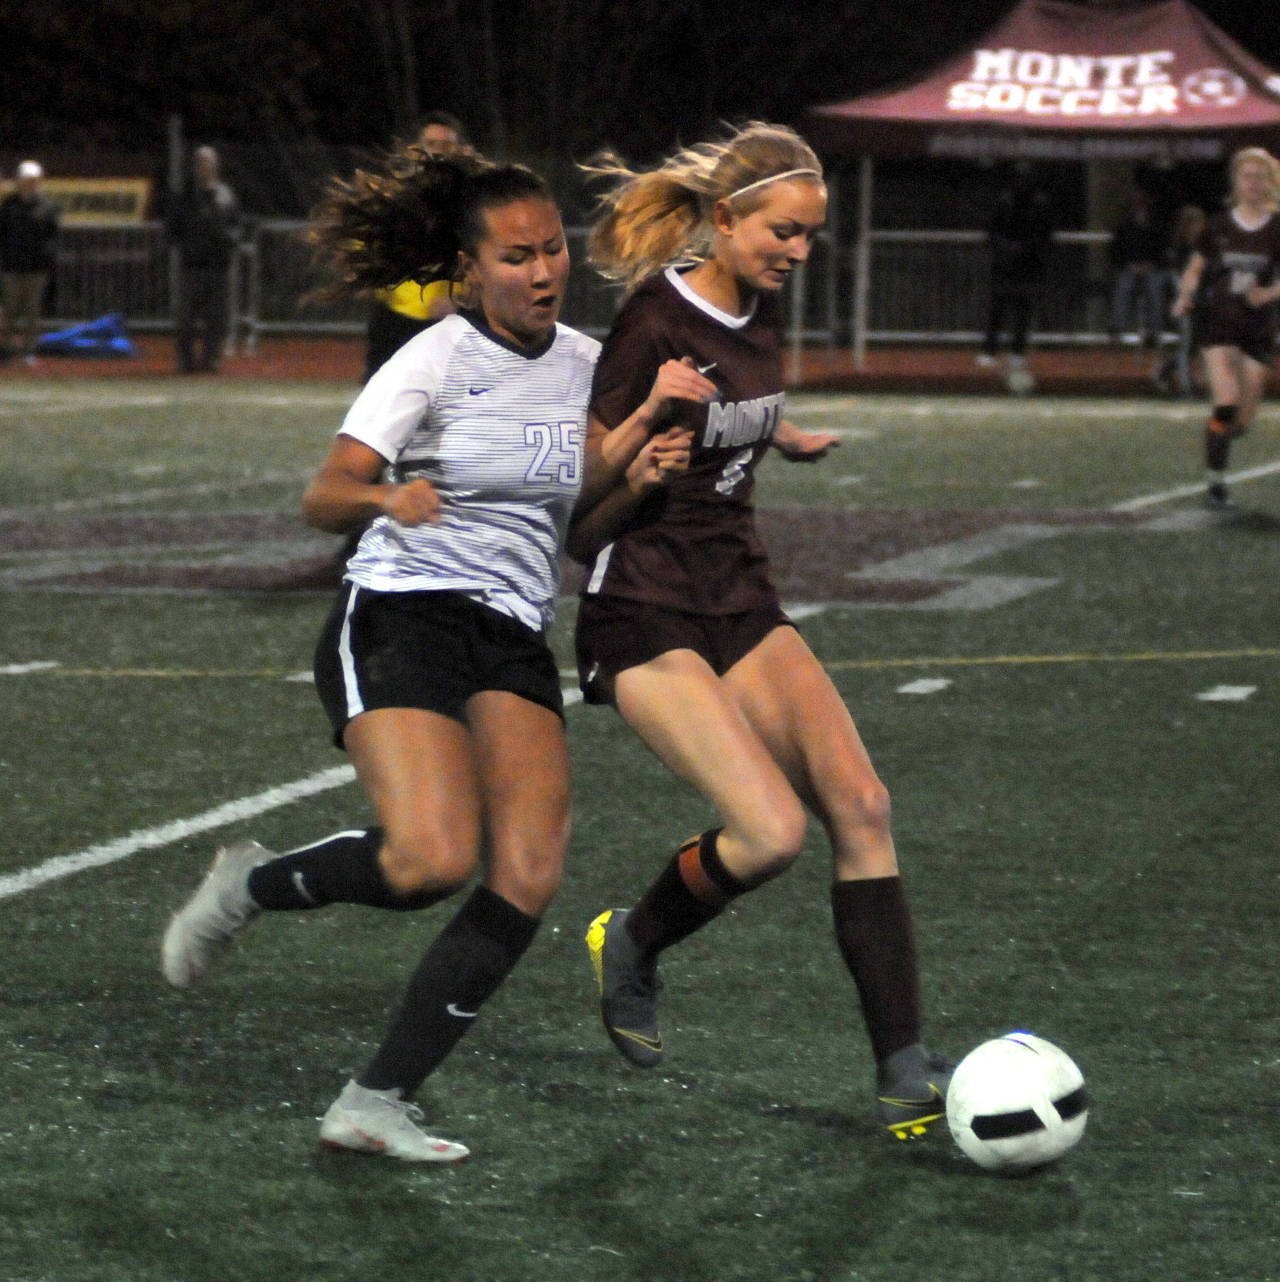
(498, 431)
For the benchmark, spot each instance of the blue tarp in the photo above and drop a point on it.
(107, 336)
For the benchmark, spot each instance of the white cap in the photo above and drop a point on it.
(30, 169)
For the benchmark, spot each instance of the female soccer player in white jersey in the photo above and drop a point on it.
(681, 629)
(433, 666)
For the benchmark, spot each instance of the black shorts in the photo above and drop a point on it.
(1253, 332)
(614, 634)
(430, 650)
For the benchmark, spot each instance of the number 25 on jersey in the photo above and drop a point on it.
(558, 460)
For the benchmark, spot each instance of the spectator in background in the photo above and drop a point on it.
(1019, 236)
(1174, 371)
(204, 226)
(1134, 253)
(401, 311)
(28, 245)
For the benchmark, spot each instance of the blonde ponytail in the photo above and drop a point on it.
(649, 220)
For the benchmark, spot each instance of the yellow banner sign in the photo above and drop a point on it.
(97, 200)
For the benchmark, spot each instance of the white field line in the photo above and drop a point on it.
(1227, 694)
(126, 498)
(977, 408)
(13, 405)
(313, 400)
(149, 838)
(926, 685)
(1186, 491)
(880, 407)
(27, 408)
(230, 812)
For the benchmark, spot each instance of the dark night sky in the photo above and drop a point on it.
(108, 73)
(294, 80)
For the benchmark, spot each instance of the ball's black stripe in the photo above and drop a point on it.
(1003, 1126)
(1072, 1105)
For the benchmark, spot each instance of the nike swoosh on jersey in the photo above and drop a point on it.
(479, 391)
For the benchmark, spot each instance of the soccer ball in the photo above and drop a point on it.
(1020, 381)
(1015, 1103)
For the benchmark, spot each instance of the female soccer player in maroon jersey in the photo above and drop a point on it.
(1229, 288)
(679, 624)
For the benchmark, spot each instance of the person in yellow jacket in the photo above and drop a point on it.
(401, 311)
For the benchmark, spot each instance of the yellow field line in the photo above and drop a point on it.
(163, 673)
(996, 660)
(937, 661)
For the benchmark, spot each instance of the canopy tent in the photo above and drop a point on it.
(1065, 81)
(1058, 80)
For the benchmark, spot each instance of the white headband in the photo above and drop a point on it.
(773, 178)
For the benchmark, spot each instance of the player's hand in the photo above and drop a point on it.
(1181, 306)
(802, 447)
(678, 381)
(416, 502)
(1260, 295)
(663, 458)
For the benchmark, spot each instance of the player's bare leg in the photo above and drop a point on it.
(1237, 384)
(517, 761)
(796, 710)
(684, 713)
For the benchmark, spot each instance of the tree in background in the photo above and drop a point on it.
(290, 90)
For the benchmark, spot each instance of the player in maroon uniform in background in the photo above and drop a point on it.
(679, 625)
(1229, 288)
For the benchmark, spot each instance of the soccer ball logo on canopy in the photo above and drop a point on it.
(1213, 87)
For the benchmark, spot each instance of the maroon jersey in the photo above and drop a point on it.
(692, 545)
(1235, 259)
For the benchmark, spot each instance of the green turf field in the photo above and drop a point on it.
(1067, 672)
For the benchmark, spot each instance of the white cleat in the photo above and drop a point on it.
(365, 1121)
(200, 931)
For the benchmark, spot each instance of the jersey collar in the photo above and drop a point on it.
(476, 320)
(1244, 226)
(681, 286)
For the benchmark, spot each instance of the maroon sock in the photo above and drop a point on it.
(1217, 437)
(873, 929)
(693, 889)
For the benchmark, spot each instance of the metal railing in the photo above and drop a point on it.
(278, 276)
(933, 286)
(923, 286)
(105, 267)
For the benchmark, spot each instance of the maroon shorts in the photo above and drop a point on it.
(1252, 330)
(614, 634)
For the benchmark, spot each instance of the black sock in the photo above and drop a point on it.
(469, 959)
(1217, 437)
(694, 888)
(342, 869)
(873, 929)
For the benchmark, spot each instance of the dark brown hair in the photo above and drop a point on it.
(410, 215)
